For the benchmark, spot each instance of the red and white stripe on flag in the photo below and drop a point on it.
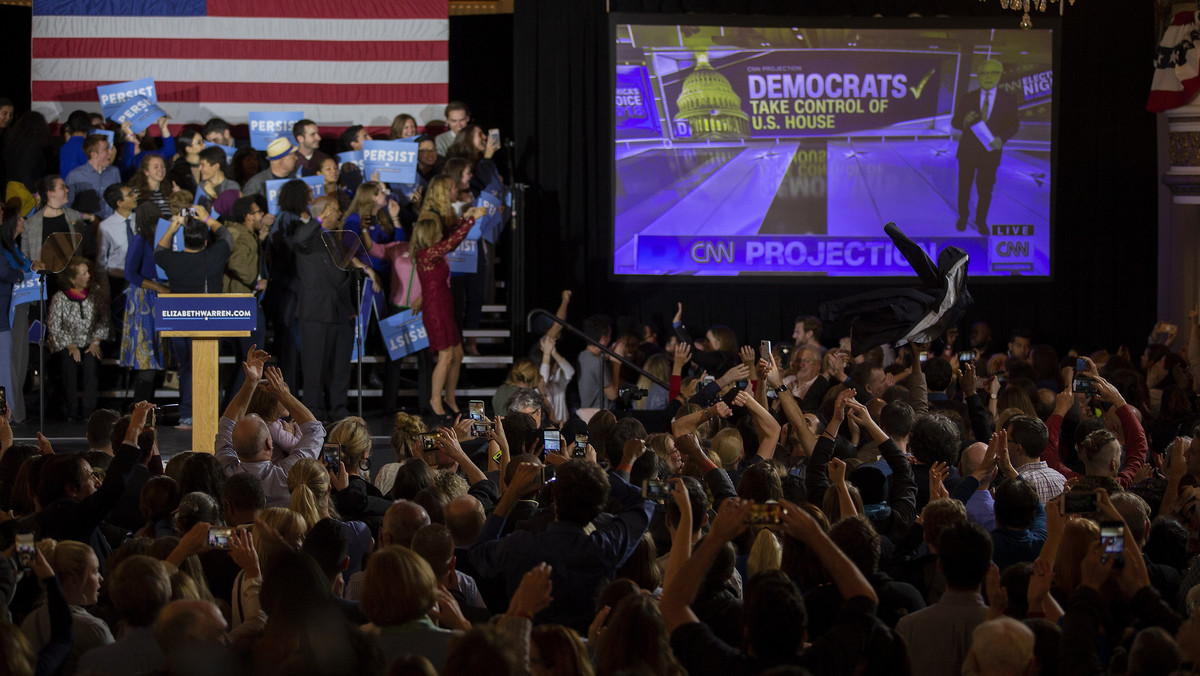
(1176, 64)
(342, 63)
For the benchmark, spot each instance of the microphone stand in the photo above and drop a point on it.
(360, 333)
(41, 343)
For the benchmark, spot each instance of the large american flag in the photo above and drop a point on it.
(342, 62)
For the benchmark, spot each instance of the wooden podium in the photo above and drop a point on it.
(205, 318)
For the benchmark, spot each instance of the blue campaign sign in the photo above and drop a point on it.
(372, 301)
(266, 127)
(490, 223)
(395, 161)
(29, 289)
(404, 334)
(141, 113)
(354, 157)
(176, 242)
(229, 150)
(115, 98)
(103, 132)
(465, 258)
(317, 183)
(205, 312)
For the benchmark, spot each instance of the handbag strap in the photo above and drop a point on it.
(408, 290)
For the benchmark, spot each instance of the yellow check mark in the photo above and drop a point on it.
(918, 88)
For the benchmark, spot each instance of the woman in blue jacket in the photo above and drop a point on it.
(14, 265)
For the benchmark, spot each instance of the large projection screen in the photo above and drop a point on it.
(758, 150)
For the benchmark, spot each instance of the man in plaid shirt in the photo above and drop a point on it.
(1027, 438)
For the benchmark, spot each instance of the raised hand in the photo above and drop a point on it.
(496, 434)
(275, 381)
(1039, 584)
(1107, 393)
(339, 479)
(968, 381)
(731, 519)
(683, 354)
(448, 444)
(1096, 567)
(799, 524)
(721, 410)
(748, 357)
(837, 471)
(447, 611)
(253, 366)
(137, 418)
(734, 374)
(996, 593)
(44, 446)
(937, 476)
(833, 366)
(533, 594)
(241, 550)
(525, 477)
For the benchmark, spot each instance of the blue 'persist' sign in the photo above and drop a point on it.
(200, 312)
(266, 127)
(115, 98)
(395, 161)
(317, 183)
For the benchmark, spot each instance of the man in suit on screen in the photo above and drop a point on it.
(980, 147)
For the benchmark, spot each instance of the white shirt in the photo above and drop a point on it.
(991, 101)
(443, 141)
(114, 241)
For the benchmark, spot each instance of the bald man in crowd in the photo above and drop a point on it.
(244, 442)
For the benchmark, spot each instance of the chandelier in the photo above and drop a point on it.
(1026, 5)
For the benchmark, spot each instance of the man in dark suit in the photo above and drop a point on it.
(978, 160)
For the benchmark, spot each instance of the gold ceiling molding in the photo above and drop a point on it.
(463, 7)
(18, 3)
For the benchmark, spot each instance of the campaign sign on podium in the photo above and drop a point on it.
(205, 318)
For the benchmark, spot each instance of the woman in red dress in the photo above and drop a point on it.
(438, 232)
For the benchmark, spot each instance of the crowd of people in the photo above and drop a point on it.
(103, 191)
(655, 504)
(927, 509)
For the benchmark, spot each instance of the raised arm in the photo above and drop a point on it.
(902, 485)
(816, 477)
(918, 389)
(688, 423)
(679, 594)
(837, 480)
(683, 354)
(981, 426)
(849, 580)
(448, 444)
(764, 423)
(1063, 402)
(556, 329)
(252, 367)
(1135, 437)
(791, 408)
(165, 242)
(300, 412)
(681, 539)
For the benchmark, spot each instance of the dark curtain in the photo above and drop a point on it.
(1103, 290)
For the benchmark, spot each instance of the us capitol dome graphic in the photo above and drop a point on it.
(710, 105)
